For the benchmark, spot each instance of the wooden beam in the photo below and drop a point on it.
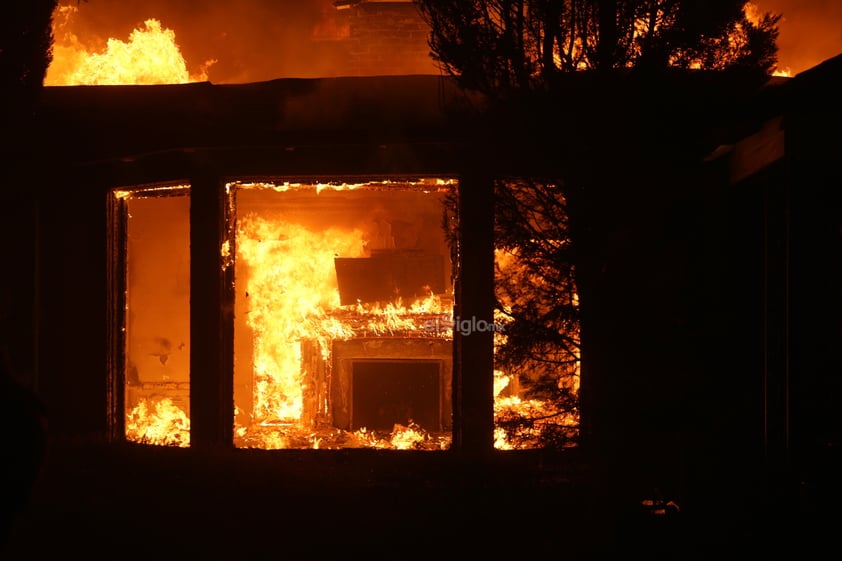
(211, 317)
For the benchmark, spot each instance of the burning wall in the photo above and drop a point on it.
(388, 37)
(145, 42)
(343, 319)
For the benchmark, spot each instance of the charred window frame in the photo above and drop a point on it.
(212, 306)
(118, 203)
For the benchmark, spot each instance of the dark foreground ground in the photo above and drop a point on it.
(133, 502)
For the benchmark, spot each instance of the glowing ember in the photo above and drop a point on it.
(405, 438)
(162, 423)
(150, 56)
(411, 437)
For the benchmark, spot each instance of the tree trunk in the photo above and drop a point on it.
(607, 38)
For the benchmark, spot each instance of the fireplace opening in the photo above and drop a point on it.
(343, 299)
(389, 393)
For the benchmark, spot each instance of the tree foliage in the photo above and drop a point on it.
(26, 40)
(25, 53)
(537, 301)
(545, 230)
(500, 45)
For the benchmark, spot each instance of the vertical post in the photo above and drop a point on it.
(116, 309)
(776, 352)
(474, 348)
(211, 318)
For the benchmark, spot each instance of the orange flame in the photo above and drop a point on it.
(508, 403)
(286, 271)
(291, 286)
(163, 424)
(150, 56)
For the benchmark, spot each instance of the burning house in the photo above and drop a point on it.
(340, 246)
(308, 265)
(333, 272)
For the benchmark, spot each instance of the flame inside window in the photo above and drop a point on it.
(536, 383)
(343, 317)
(157, 315)
(341, 294)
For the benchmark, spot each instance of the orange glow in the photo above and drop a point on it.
(252, 40)
(286, 275)
(810, 32)
(401, 438)
(288, 301)
(244, 41)
(160, 422)
(157, 314)
(754, 14)
(512, 406)
(529, 416)
(150, 56)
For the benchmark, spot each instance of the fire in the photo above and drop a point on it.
(401, 438)
(291, 286)
(287, 247)
(754, 15)
(541, 412)
(549, 414)
(150, 56)
(287, 271)
(293, 312)
(162, 423)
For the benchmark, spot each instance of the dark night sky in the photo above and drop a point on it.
(255, 40)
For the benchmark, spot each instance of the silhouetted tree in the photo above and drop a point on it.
(497, 46)
(566, 232)
(537, 302)
(26, 40)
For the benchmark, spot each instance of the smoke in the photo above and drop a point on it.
(810, 31)
(250, 40)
